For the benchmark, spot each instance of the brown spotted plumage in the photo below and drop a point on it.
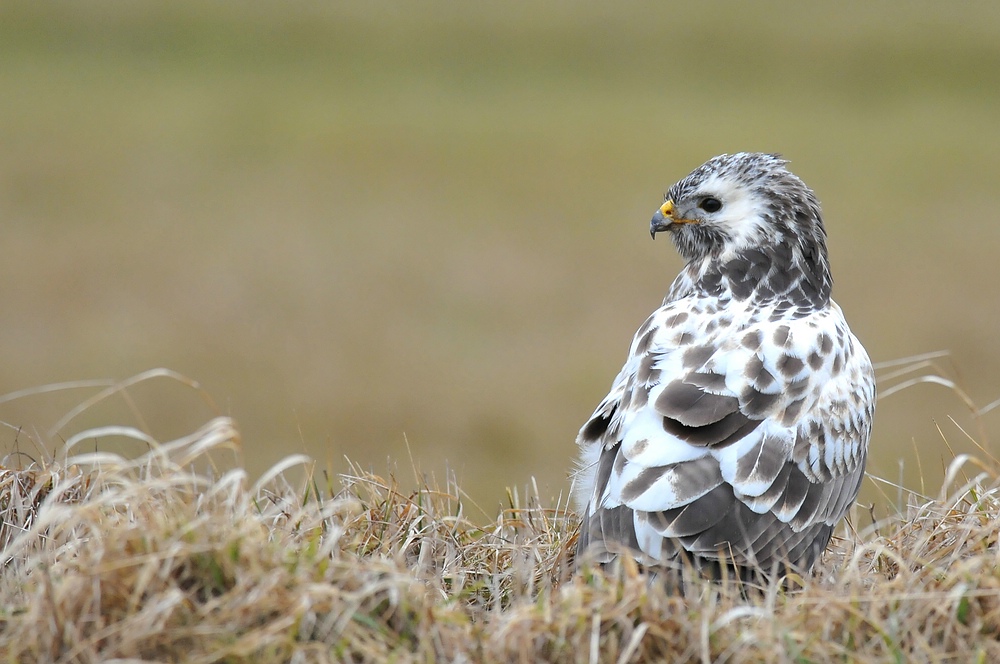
(735, 436)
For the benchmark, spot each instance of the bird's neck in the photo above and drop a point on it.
(783, 274)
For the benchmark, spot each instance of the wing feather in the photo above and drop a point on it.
(747, 444)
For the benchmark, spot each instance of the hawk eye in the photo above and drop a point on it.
(709, 204)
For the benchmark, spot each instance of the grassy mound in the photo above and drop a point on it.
(165, 557)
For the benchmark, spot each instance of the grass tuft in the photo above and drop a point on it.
(164, 557)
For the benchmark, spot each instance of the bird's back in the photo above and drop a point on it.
(736, 434)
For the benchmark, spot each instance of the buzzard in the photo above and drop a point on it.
(734, 439)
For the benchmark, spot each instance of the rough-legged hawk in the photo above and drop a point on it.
(734, 438)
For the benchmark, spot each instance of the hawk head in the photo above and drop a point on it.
(742, 201)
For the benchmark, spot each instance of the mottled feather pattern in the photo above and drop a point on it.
(736, 433)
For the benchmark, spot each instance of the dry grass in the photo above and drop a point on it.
(166, 557)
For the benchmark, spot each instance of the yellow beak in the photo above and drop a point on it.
(663, 219)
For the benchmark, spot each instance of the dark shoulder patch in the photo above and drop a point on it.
(738, 269)
(696, 356)
(692, 406)
(781, 335)
(756, 404)
(725, 431)
(711, 283)
(781, 280)
(756, 374)
(825, 343)
(741, 290)
(752, 340)
(789, 365)
(708, 381)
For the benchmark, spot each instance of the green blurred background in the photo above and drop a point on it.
(395, 229)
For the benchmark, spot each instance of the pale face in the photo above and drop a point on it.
(729, 209)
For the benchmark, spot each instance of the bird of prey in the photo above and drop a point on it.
(735, 437)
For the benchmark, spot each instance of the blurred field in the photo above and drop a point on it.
(368, 225)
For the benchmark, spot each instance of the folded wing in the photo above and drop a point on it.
(744, 445)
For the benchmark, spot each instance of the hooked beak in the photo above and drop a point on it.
(664, 220)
